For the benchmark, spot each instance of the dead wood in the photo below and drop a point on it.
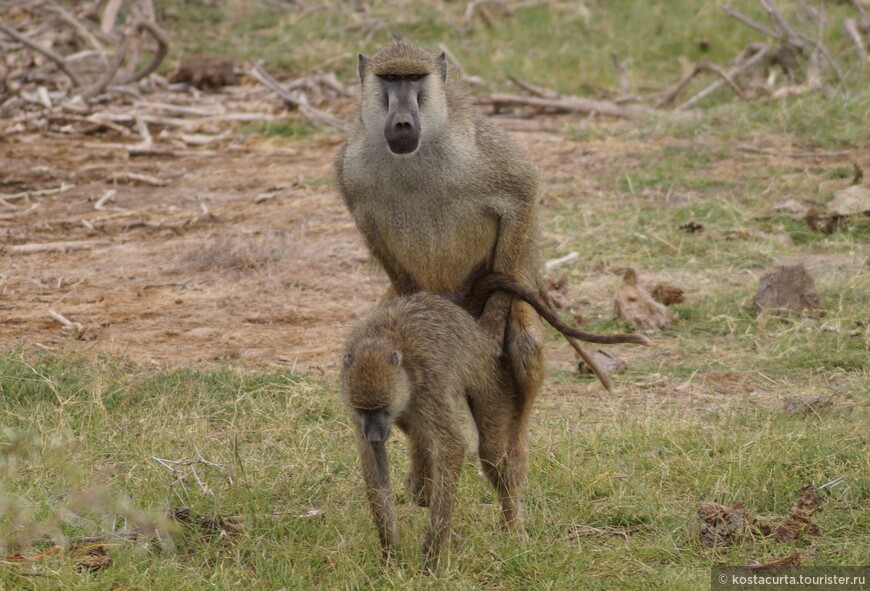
(739, 66)
(534, 90)
(52, 246)
(568, 104)
(840, 154)
(313, 114)
(703, 66)
(50, 54)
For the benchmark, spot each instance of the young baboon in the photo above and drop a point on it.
(414, 363)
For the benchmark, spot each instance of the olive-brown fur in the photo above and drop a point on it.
(419, 360)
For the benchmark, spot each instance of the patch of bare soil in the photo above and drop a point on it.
(245, 256)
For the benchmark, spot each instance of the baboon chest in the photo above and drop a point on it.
(438, 239)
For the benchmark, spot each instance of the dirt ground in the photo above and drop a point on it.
(246, 256)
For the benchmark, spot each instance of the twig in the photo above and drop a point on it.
(749, 22)
(794, 154)
(32, 248)
(100, 205)
(733, 72)
(110, 16)
(311, 113)
(50, 54)
(141, 178)
(75, 327)
(27, 194)
(81, 29)
(162, 49)
(851, 26)
(623, 74)
(535, 90)
(860, 7)
(553, 263)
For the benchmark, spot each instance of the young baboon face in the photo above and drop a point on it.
(376, 388)
(403, 93)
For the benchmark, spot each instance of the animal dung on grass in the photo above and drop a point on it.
(809, 501)
(667, 294)
(606, 361)
(720, 525)
(789, 288)
(635, 304)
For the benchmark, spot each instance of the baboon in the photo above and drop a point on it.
(413, 363)
(442, 197)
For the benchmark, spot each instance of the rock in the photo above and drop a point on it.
(852, 200)
(790, 205)
(807, 406)
(787, 288)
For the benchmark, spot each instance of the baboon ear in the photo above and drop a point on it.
(442, 65)
(396, 357)
(347, 360)
(362, 67)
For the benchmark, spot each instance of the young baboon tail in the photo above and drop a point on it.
(499, 281)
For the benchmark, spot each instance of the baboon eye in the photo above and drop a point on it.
(347, 359)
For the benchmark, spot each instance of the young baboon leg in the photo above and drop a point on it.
(445, 481)
(373, 457)
(419, 482)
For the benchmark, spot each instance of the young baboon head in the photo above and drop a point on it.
(403, 93)
(375, 387)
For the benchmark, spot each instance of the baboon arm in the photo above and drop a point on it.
(376, 476)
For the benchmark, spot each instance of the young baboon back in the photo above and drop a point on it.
(414, 363)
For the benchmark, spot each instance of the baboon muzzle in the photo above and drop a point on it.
(375, 426)
(402, 129)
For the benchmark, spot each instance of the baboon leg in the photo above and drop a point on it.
(495, 416)
(418, 485)
(376, 476)
(524, 344)
(448, 466)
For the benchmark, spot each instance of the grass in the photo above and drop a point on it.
(611, 499)
(614, 484)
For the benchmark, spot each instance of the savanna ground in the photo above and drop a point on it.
(217, 329)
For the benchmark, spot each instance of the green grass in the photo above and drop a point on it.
(611, 500)
(614, 484)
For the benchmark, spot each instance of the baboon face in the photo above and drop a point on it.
(375, 388)
(404, 93)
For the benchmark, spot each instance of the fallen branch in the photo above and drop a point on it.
(569, 104)
(313, 114)
(553, 263)
(702, 66)
(738, 68)
(27, 194)
(32, 248)
(50, 54)
(794, 154)
(75, 327)
(535, 90)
